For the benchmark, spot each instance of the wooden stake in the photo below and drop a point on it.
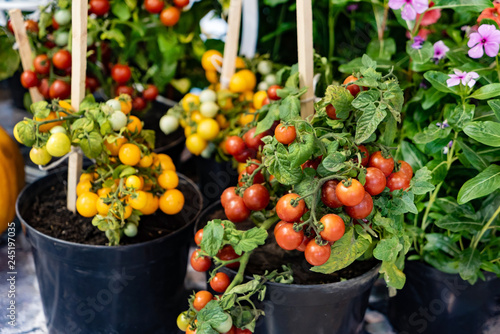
(231, 46)
(306, 55)
(78, 71)
(24, 48)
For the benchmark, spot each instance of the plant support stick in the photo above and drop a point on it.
(231, 47)
(78, 68)
(306, 54)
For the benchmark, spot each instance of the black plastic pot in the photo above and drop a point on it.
(435, 302)
(333, 308)
(135, 288)
(214, 177)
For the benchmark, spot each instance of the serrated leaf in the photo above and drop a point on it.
(420, 184)
(300, 151)
(387, 249)
(289, 108)
(249, 240)
(304, 187)
(271, 116)
(91, 144)
(344, 252)
(370, 118)
(388, 224)
(393, 276)
(481, 185)
(340, 98)
(212, 314)
(213, 235)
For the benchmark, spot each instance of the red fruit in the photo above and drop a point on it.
(124, 90)
(220, 282)
(91, 84)
(248, 153)
(317, 255)
(272, 94)
(257, 179)
(236, 210)
(333, 227)
(29, 79)
(99, 7)
(362, 210)
(227, 253)
(200, 263)
(365, 155)
(285, 134)
(55, 25)
(198, 237)
(62, 59)
(227, 194)
(314, 163)
(331, 112)
(138, 103)
(286, 211)
(181, 3)
(154, 6)
(150, 93)
(287, 238)
(406, 168)
(398, 180)
(350, 195)
(375, 181)
(256, 197)
(353, 89)
(254, 141)
(378, 161)
(60, 90)
(42, 64)
(31, 26)
(44, 88)
(121, 73)
(329, 196)
(235, 145)
(170, 16)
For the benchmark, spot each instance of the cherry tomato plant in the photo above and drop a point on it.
(127, 180)
(312, 187)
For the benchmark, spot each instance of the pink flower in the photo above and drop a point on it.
(430, 16)
(464, 78)
(487, 36)
(440, 50)
(410, 7)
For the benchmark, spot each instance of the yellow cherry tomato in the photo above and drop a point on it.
(188, 130)
(209, 58)
(125, 103)
(168, 179)
(241, 167)
(83, 187)
(172, 202)
(134, 125)
(190, 100)
(113, 144)
(196, 116)
(247, 117)
(47, 126)
(102, 208)
(196, 144)
(212, 76)
(246, 96)
(138, 200)
(103, 192)
(86, 204)
(87, 177)
(222, 121)
(129, 154)
(146, 161)
(151, 205)
(134, 182)
(240, 63)
(208, 129)
(258, 99)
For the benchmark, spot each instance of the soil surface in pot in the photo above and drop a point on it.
(50, 216)
(271, 257)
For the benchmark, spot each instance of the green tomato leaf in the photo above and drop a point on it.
(344, 252)
(300, 151)
(304, 187)
(26, 132)
(387, 249)
(250, 240)
(272, 115)
(91, 144)
(367, 124)
(40, 109)
(10, 57)
(289, 108)
(120, 9)
(388, 224)
(212, 314)
(213, 234)
(282, 168)
(481, 185)
(420, 184)
(393, 276)
(487, 133)
(340, 98)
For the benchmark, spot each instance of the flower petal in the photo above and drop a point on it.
(494, 37)
(473, 75)
(408, 13)
(491, 49)
(474, 39)
(486, 29)
(420, 6)
(476, 52)
(471, 83)
(453, 82)
(396, 4)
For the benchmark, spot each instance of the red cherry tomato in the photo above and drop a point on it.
(236, 210)
(150, 93)
(285, 134)
(272, 94)
(227, 194)
(331, 112)
(278, 225)
(201, 298)
(138, 103)
(154, 6)
(365, 155)
(99, 7)
(181, 3)
(303, 244)
(256, 197)
(60, 90)
(198, 237)
(329, 196)
(243, 331)
(375, 181)
(247, 153)
(254, 141)
(406, 168)
(252, 167)
(398, 180)
(62, 59)
(353, 89)
(200, 263)
(378, 161)
(362, 210)
(170, 16)
(227, 253)
(350, 195)
(257, 179)
(220, 282)
(286, 211)
(314, 163)
(31, 26)
(91, 84)
(124, 90)
(287, 238)
(317, 255)
(44, 88)
(235, 145)
(42, 64)
(333, 227)
(29, 79)
(121, 73)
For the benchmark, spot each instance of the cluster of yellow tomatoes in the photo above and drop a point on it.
(207, 118)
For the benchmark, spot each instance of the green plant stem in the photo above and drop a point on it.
(331, 29)
(478, 237)
(432, 199)
(498, 67)
(417, 25)
(277, 42)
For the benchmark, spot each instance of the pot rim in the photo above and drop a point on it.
(122, 247)
(292, 285)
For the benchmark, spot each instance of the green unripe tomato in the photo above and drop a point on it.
(62, 17)
(130, 230)
(208, 95)
(58, 129)
(118, 120)
(58, 144)
(61, 38)
(115, 104)
(265, 67)
(168, 124)
(40, 156)
(183, 321)
(209, 109)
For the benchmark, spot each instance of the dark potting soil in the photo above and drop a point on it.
(50, 216)
(271, 257)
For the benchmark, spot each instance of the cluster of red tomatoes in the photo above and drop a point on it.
(247, 147)
(60, 64)
(121, 74)
(169, 15)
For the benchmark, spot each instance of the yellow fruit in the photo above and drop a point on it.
(129, 154)
(135, 124)
(246, 96)
(190, 100)
(171, 202)
(168, 179)
(212, 76)
(209, 58)
(151, 205)
(196, 144)
(146, 161)
(47, 126)
(125, 103)
(102, 208)
(258, 99)
(196, 116)
(103, 192)
(83, 187)
(139, 200)
(114, 147)
(242, 81)
(134, 182)
(241, 167)
(240, 63)
(188, 130)
(247, 117)
(221, 119)
(86, 204)
(208, 129)
(87, 177)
